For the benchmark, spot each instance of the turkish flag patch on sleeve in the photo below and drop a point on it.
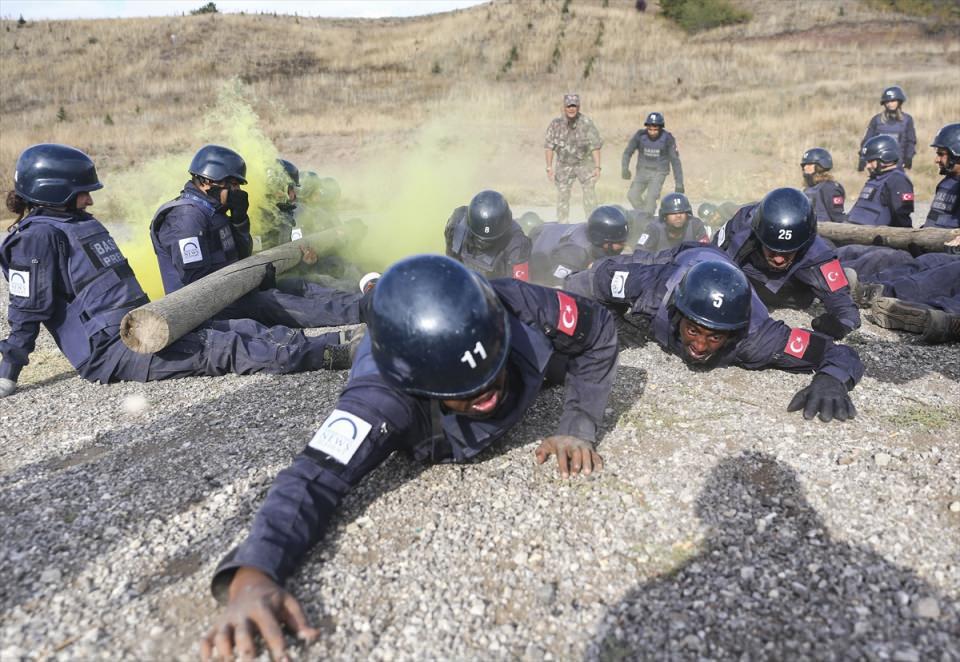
(906, 197)
(833, 274)
(567, 319)
(798, 343)
(522, 271)
(838, 200)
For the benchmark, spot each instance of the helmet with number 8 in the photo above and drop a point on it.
(489, 216)
(784, 221)
(437, 329)
(716, 295)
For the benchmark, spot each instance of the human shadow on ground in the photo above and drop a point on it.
(770, 583)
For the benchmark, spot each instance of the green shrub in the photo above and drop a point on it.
(209, 8)
(699, 15)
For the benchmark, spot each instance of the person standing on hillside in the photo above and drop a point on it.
(887, 196)
(892, 122)
(575, 141)
(824, 192)
(656, 153)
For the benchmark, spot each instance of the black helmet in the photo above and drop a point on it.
(437, 329)
(893, 93)
(52, 174)
(817, 156)
(706, 210)
(948, 138)
(488, 216)
(716, 295)
(216, 163)
(883, 148)
(607, 225)
(529, 220)
(784, 221)
(674, 203)
(654, 119)
(292, 170)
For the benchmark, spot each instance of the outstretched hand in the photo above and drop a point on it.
(825, 395)
(574, 455)
(256, 604)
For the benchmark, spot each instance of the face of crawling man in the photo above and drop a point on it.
(700, 344)
(779, 261)
(483, 404)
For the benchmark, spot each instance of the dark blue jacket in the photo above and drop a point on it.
(559, 250)
(193, 237)
(656, 238)
(901, 130)
(827, 199)
(507, 257)
(67, 273)
(886, 199)
(816, 269)
(945, 208)
(657, 155)
(647, 288)
(381, 420)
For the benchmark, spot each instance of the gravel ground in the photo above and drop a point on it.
(721, 527)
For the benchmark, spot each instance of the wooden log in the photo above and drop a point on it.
(928, 240)
(153, 326)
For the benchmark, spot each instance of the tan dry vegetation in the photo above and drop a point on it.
(346, 95)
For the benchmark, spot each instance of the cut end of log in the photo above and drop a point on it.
(144, 331)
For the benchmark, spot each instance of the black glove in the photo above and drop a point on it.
(826, 395)
(830, 325)
(237, 202)
(269, 281)
(678, 188)
(625, 173)
(861, 166)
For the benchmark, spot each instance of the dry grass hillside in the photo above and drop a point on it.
(414, 115)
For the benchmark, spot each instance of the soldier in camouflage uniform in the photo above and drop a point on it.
(576, 142)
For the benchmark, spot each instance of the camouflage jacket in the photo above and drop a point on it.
(572, 143)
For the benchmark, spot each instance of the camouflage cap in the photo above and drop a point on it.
(571, 100)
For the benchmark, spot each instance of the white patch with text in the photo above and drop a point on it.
(340, 435)
(618, 284)
(19, 283)
(190, 250)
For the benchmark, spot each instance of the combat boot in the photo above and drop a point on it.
(942, 327)
(340, 357)
(893, 313)
(864, 294)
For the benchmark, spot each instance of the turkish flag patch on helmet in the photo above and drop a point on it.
(567, 319)
(906, 197)
(833, 274)
(522, 271)
(838, 200)
(797, 343)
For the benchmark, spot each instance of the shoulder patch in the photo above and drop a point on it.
(522, 271)
(906, 197)
(618, 284)
(340, 435)
(190, 250)
(562, 271)
(296, 233)
(838, 200)
(833, 274)
(797, 343)
(722, 234)
(643, 239)
(567, 318)
(19, 283)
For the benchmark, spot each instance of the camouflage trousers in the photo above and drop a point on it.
(564, 178)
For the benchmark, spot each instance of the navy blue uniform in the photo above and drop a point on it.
(767, 343)
(66, 272)
(827, 199)
(901, 130)
(559, 250)
(945, 208)
(193, 237)
(815, 273)
(931, 279)
(507, 257)
(886, 199)
(654, 160)
(656, 236)
(372, 420)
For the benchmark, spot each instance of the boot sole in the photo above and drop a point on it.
(893, 313)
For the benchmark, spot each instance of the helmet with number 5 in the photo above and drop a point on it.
(716, 295)
(437, 329)
(784, 221)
